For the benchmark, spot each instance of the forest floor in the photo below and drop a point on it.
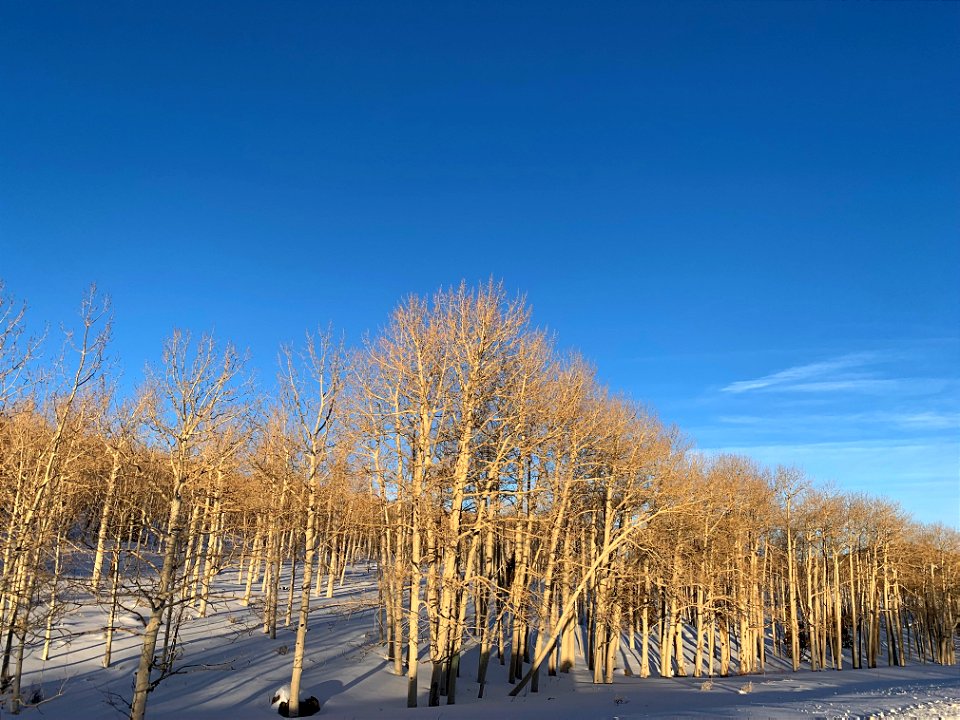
(230, 669)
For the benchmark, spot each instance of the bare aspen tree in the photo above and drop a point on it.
(640, 474)
(407, 378)
(481, 330)
(370, 413)
(789, 485)
(310, 382)
(195, 397)
(571, 402)
(16, 350)
(31, 527)
(116, 429)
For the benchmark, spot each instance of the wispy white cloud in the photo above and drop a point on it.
(799, 373)
(837, 446)
(926, 420)
(930, 420)
(861, 385)
(742, 419)
(842, 374)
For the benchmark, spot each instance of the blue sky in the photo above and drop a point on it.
(746, 214)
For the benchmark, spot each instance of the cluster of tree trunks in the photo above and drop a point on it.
(507, 500)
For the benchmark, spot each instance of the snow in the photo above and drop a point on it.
(280, 695)
(230, 668)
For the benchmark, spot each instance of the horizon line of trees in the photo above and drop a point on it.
(509, 501)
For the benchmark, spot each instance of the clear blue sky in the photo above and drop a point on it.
(746, 214)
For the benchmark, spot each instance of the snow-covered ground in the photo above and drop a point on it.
(230, 669)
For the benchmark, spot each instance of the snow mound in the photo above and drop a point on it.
(280, 695)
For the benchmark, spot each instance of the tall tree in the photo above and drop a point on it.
(196, 396)
(310, 382)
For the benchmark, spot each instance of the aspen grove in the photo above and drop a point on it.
(507, 500)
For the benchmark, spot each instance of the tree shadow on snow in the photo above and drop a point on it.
(326, 690)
